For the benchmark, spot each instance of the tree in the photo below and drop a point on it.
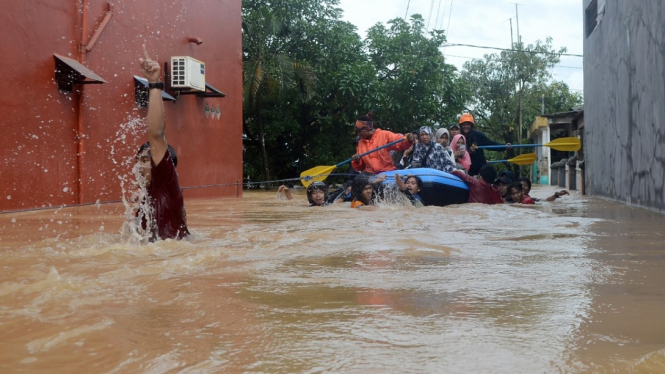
(301, 125)
(414, 85)
(507, 89)
(267, 71)
(498, 81)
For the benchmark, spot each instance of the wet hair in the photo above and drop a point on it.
(359, 184)
(508, 174)
(146, 146)
(515, 186)
(418, 180)
(527, 180)
(317, 186)
(369, 118)
(488, 173)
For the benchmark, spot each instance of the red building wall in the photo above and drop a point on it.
(40, 124)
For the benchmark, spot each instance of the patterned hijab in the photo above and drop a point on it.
(427, 130)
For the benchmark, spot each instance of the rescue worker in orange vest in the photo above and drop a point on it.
(371, 138)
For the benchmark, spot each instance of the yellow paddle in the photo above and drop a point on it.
(525, 159)
(569, 144)
(319, 173)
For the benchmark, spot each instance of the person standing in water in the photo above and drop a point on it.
(474, 139)
(162, 210)
(371, 138)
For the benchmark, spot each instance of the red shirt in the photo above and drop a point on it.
(526, 199)
(165, 199)
(379, 161)
(479, 190)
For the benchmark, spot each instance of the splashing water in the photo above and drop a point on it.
(133, 187)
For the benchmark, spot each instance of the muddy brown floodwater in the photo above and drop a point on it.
(271, 286)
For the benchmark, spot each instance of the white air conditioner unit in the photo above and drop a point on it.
(188, 74)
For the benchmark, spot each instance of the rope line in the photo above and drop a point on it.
(388, 177)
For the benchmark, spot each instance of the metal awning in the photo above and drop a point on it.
(209, 92)
(141, 92)
(69, 72)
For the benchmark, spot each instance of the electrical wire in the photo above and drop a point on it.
(478, 58)
(438, 10)
(450, 12)
(443, 15)
(431, 8)
(508, 49)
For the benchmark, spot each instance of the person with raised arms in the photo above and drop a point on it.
(162, 211)
(317, 193)
(411, 187)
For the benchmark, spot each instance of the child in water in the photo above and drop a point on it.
(411, 187)
(516, 194)
(363, 193)
(526, 188)
(317, 193)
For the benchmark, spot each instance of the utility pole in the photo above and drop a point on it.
(512, 43)
(519, 76)
(517, 18)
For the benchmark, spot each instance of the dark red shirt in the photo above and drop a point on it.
(165, 198)
(526, 199)
(480, 191)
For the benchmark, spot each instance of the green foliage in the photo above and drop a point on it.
(414, 86)
(307, 75)
(307, 115)
(498, 81)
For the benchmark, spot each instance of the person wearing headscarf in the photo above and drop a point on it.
(462, 158)
(371, 138)
(362, 191)
(430, 154)
(442, 137)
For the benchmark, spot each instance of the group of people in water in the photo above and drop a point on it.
(160, 210)
(418, 150)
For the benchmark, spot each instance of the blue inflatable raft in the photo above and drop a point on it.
(439, 188)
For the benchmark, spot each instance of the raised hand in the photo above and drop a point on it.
(149, 68)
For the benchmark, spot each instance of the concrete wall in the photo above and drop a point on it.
(72, 147)
(624, 103)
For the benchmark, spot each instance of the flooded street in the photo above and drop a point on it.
(272, 286)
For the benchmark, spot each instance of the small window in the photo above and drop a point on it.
(593, 15)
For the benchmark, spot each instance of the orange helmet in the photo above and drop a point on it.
(466, 117)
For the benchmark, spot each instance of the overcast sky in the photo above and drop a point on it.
(486, 23)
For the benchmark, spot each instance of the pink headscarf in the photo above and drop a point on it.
(466, 160)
